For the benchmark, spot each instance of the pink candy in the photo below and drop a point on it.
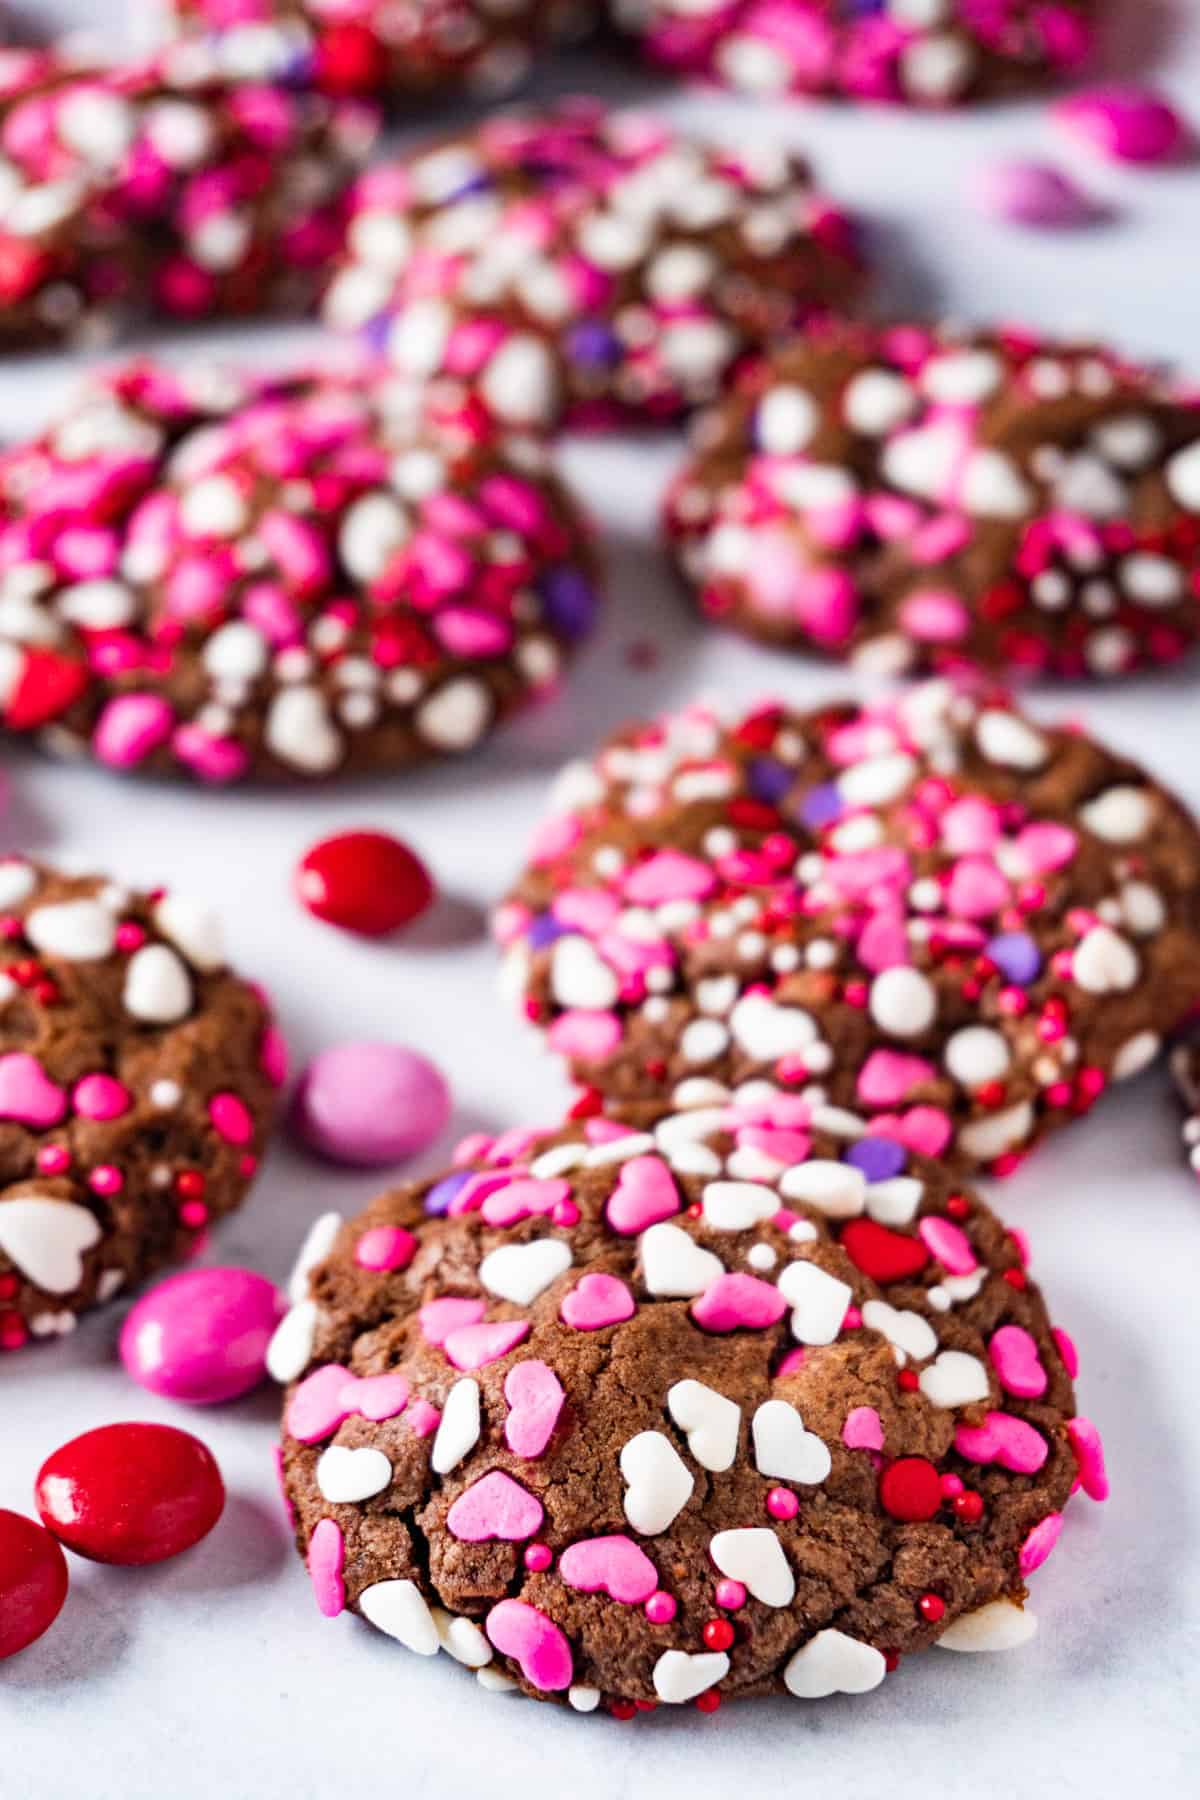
(1125, 123)
(1026, 192)
(370, 1104)
(202, 1336)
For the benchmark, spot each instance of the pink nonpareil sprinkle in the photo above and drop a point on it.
(1022, 191)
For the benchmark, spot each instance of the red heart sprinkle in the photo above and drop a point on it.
(881, 1254)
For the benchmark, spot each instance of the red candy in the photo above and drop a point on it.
(910, 1489)
(130, 1493)
(364, 881)
(882, 1254)
(33, 1582)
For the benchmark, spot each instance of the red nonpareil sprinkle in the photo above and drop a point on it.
(718, 1634)
(908, 1380)
(910, 1489)
(968, 1507)
(931, 1608)
(708, 1701)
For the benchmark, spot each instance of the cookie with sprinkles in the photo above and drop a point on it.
(161, 186)
(376, 48)
(323, 577)
(911, 501)
(752, 1401)
(931, 910)
(588, 266)
(138, 1077)
(926, 53)
(1185, 1066)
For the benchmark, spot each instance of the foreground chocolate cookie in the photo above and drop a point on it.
(911, 501)
(745, 1404)
(161, 187)
(588, 266)
(1185, 1066)
(137, 1085)
(933, 910)
(931, 53)
(220, 579)
(375, 47)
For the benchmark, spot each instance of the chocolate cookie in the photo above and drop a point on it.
(920, 52)
(931, 910)
(161, 187)
(586, 265)
(1185, 1066)
(374, 47)
(747, 1403)
(137, 1086)
(302, 580)
(912, 501)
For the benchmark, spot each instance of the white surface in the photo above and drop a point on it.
(215, 1675)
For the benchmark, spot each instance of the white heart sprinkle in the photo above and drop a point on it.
(17, 881)
(674, 1265)
(766, 1031)
(1105, 963)
(711, 1422)
(895, 1201)
(291, 1345)
(1009, 740)
(456, 715)
(907, 1331)
(754, 1556)
(299, 731)
(462, 1639)
(838, 1190)
(738, 1205)
(818, 1301)
(659, 1482)
(158, 988)
(1000, 1625)
(785, 1448)
(193, 928)
(832, 1663)
(46, 1239)
(346, 1474)
(458, 1428)
(399, 1609)
(78, 930)
(955, 1379)
(520, 1272)
(679, 1676)
(580, 977)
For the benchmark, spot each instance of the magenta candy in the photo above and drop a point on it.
(370, 1104)
(1126, 123)
(202, 1336)
(1033, 193)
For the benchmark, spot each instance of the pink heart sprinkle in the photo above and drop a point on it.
(948, 1244)
(976, 889)
(1046, 846)
(597, 1301)
(889, 1076)
(438, 1318)
(385, 1247)
(1089, 1454)
(495, 1507)
(1064, 1343)
(316, 1408)
(527, 1199)
(1005, 1440)
(588, 1036)
(613, 1565)
(863, 1429)
(422, 1419)
(739, 1300)
(1039, 1543)
(377, 1397)
(474, 1346)
(27, 1093)
(326, 1560)
(669, 875)
(535, 1398)
(539, 1647)
(644, 1194)
(100, 1097)
(1014, 1355)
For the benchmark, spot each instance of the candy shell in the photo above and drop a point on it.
(202, 1336)
(363, 881)
(1025, 192)
(1124, 123)
(130, 1493)
(33, 1581)
(369, 1104)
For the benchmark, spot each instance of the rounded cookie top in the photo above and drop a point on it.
(744, 1403)
(912, 501)
(932, 910)
(587, 265)
(160, 185)
(137, 1086)
(324, 577)
(374, 47)
(920, 52)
